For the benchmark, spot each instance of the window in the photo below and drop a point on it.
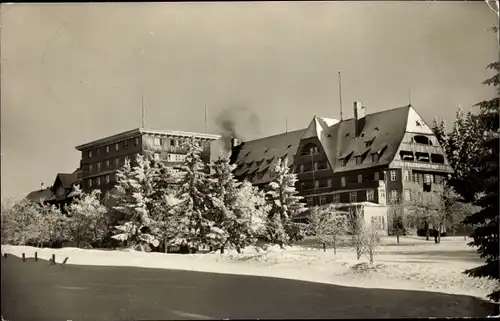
(353, 197)
(107, 149)
(310, 201)
(394, 195)
(407, 195)
(329, 182)
(427, 178)
(60, 191)
(432, 178)
(343, 162)
(91, 166)
(99, 166)
(322, 200)
(107, 179)
(381, 193)
(342, 181)
(393, 176)
(406, 175)
(360, 178)
(301, 167)
(137, 140)
(180, 158)
(358, 160)
(336, 198)
(316, 184)
(90, 154)
(156, 156)
(90, 182)
(370, 195)
(117, 146)
(374, 158)
(98, 181)
(315, 166)
(117, 162)
(157, 141)
(107, 163)
(376, 176)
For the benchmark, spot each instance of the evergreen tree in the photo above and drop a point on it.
(486, 233)
(285, 205)
(137, 199)
(194, 193)
(251, 211)
(462, 149)
(224, 198)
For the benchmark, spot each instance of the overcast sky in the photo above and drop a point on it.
(72, 73)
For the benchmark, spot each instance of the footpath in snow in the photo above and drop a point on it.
(412, 265)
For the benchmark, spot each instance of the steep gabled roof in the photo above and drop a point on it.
(382, 133)
(260, 155)
(67, 180)
(40, 195)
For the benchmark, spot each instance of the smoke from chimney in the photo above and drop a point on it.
(42, 186)
(237, 122)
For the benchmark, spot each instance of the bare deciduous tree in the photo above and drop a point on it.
(326, 226)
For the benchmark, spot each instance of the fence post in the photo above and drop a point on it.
(24, 257)
(53, 261)
(65, 260)
(5, 255)
(36, 256)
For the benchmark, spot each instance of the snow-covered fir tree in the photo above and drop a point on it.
(195, 199)
(224, 197)
(251, 212)
(285, 204)
(87, 218)
(136, 200)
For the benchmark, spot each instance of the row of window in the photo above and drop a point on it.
(317, 166)
(116, 147)
(375, 157)
(116, 162)
(99, 180)
(370, 197)
(177, 142)
(353, 197)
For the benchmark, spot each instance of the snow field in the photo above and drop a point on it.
(414, 264)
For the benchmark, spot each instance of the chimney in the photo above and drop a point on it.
(359, 117)
(234, 142)
(41, 186)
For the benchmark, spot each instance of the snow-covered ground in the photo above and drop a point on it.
(414, 264)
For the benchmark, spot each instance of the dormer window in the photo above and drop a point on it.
(375, 157)
(418, 123)
(358, 160)
(343, 162)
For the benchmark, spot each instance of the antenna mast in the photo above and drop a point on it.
(409, 97)
(340, 95)
(286, 123)
(205, 117)
(143, 111)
